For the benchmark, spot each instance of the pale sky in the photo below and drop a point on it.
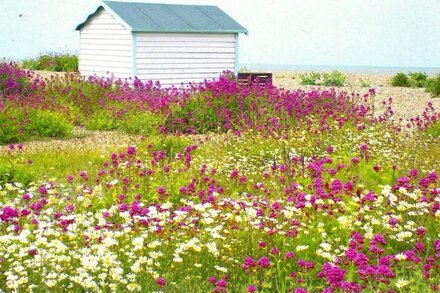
(404, 33)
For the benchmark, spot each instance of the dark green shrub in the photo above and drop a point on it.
(417, 79)
(310, 78)
(334, 78)
(433, 85)
(400, 79)
(48, 124)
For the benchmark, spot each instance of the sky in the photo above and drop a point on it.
(400, 33)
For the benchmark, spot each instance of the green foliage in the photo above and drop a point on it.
(53, 62)
(334, 78)
(10, 129)
(417, 79)
(400, 79)
(48, 124)
(364, 82)
(310, 78)
(142, 123)
(10, 174)
(433, 85)
(434, 130)
(102, 120)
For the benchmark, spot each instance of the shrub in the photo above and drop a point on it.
(364, 82)
(10, 126)
(102, 120)
(417, 79)
(13, 80)
(334, 78)
(9, 174)
(53, 62)
(433, 85)
(142, 123)
(434, 130)
(48, 124)
(310, 78)
(400, 79)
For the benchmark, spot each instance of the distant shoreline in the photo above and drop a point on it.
(379, 70)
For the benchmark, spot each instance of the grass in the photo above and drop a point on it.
(229, 188)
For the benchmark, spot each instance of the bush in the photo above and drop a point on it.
(334, 78)
(53, 62)
(310, 78)
(417, 79)
(9, 174)
(364, 82)
(13, 80)
(48, 124)
(433, 85)
(142, 123)
(434, 130)
(400, 79)
(10, 126)
(102, 120)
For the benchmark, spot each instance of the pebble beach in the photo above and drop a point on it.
(407, 102)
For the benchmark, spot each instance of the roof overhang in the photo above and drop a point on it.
(104, 6)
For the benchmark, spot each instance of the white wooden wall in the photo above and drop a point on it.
(175, 58)
(105, 46)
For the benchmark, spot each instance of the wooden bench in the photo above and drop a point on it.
(262, 78)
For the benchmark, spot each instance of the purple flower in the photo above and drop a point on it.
(131, 151)
(161, 282)
(249, 262)
(251, 288)
(221, 283)
(161, 190)
(264, 262)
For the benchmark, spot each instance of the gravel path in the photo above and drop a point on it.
(83, 140)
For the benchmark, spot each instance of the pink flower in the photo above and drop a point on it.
(264, 262)
(290, 255)
(251, 288)
(161, 282)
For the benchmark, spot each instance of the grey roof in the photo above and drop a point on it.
(150, 17)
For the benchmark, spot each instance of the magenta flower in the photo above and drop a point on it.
(264, 262)
(161, 282)
(221, 283)
(161, 190)
(251, 288)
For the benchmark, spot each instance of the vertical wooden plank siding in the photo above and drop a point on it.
(133, 52)
(236, 55)
(175, 58)
(106, 47)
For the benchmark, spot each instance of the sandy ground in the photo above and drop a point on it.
(407, 102)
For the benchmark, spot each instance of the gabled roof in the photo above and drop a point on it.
(150, 17)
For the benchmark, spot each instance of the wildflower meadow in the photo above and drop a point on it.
(224, 187)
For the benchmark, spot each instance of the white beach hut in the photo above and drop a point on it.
(171, 43)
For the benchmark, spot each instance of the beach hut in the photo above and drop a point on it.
(171, 43)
